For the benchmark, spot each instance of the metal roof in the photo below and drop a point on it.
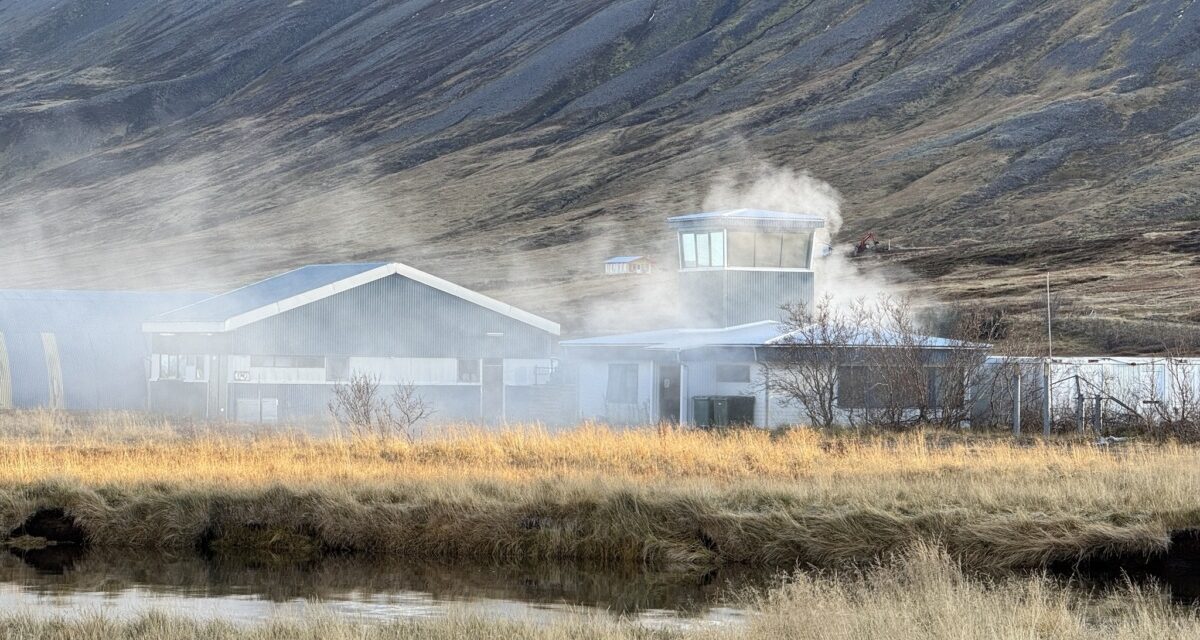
(287, 291)
(624, 259)
(751, 217)
(757, 334)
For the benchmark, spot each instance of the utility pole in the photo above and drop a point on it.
(1048, 370)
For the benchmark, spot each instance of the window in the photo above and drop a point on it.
(187, 368)
(688, 250)
(468, 371)
(768, 248)
(796, 247)
(869, 388)
(288, 362)
(741, 248)
(702, 249)
(717, 242)
(733, 373)
(622, 384)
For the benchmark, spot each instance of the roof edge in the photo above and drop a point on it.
(345, 284)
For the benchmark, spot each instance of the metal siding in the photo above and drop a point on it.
(394, 316)
(6, 399)
(30, 383)
(310, 403)
(727, 297)
(101, 351)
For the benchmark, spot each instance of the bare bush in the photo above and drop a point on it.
(814, 351)
(359, 406)
(870, 364)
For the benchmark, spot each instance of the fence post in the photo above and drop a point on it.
(1047, 373)
(1097, 415)
(1016, 411)
(1079, 421)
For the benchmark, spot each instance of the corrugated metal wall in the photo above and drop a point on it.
(79, 350)
(6, 399)
(725, 297)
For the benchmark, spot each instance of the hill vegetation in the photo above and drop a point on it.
(511, 145)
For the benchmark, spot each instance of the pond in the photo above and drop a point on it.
(70, 582)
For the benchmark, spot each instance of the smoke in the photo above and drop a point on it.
(766, 186)
(777, 189)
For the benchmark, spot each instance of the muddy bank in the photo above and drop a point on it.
(680, 531)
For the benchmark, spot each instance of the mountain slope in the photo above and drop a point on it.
(511, 144)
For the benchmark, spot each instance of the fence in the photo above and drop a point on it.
(1096, 393)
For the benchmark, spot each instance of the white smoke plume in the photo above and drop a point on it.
(774, 188)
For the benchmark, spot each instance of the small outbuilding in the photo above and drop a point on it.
(623, 265)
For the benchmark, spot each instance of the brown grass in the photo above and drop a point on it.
(686, 499)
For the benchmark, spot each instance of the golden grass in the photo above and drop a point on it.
(670, 497)
(920, 595)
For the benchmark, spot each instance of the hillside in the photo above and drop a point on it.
(511, 145)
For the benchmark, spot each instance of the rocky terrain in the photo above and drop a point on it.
(511, 145)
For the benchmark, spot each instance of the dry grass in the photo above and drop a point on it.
(670, 498)
(923, 594)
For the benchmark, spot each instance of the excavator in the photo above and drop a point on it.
(869, 242)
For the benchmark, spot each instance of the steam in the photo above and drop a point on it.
(778, 189)
(774, 188)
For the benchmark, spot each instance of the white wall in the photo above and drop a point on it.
(593, 387)
(418, 371)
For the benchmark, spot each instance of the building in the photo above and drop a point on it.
(77, 350)
(740, 266)
(623, 265)
(273, 351)
(736, 270)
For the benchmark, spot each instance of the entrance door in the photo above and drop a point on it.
(492, 390)
(668, 393)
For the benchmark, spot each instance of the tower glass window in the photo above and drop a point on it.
(702, 249)
(687, 249)
(768, 250)
(741, 248)
(796, 249)
(717, 252)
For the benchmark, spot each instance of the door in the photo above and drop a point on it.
(492, 390)
(668, 394)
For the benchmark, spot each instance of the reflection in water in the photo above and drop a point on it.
(58, 581)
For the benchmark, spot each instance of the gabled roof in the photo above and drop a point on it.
(751, 217)
(625, 259)
(756, 334)
(287, 291)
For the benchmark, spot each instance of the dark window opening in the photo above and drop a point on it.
(468, 371)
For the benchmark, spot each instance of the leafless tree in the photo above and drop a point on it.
(409, 408)
(359, 406)
(805, 363)
(1174, 397)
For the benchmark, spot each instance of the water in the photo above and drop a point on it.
(65, 582)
